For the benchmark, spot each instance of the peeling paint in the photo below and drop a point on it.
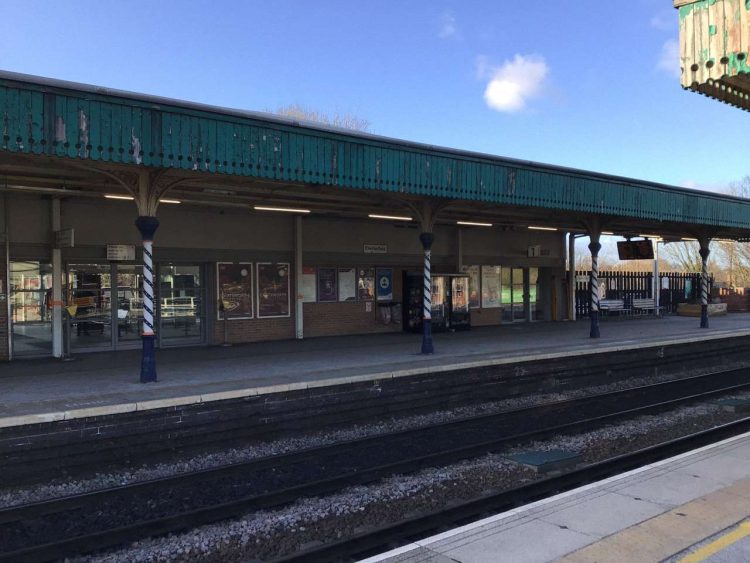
(60, 129)
(135, 146)
(83, 134)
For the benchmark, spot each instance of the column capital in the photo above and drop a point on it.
(147, 225)
(427, 239)
(595, 247)
(704, 252)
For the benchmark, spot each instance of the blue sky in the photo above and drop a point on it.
(591, 84)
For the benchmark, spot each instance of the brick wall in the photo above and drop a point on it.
(486, 317)
(254, 330)
(333, 319)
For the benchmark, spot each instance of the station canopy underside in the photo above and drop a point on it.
(73, 140)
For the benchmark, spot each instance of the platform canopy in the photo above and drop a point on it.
(74, 140)
(714, 49)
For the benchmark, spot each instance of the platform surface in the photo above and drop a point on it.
(107, 383)
(689, 508)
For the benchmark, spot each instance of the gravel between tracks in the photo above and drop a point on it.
(270, 534)
(64, 487)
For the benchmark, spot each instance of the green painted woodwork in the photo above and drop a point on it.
(85, 124)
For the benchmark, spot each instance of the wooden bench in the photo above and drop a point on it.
(647, 306)
(613, 306)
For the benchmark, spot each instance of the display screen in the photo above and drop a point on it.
(635, 250)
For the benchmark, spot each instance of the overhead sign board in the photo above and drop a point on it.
(635, 250)
(120, 252)
(376, 248)
(65, 238)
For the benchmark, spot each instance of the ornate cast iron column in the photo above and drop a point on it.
(427, 348)
(147, 226)
(704, 252)
(594, 247)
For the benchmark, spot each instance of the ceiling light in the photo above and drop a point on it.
(607, 233)
(218, 192)
(117, 196)
(542, 228)
(389, 217)
(650, 236)
(170, 201)
(688, 239)
(473, 224)
(281, 209)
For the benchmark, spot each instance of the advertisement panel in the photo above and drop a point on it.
(235, 290)
(273, 289)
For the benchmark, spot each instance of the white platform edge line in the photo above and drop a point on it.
(120, 408)
(527, 507)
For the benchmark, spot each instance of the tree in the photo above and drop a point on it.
(683, 256)
(345, 121)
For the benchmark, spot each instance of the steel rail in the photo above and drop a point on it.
(388, 537)
(181, 521)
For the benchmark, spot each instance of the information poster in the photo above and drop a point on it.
(474, 287)
(366, 284)
(459, 294)
(273, 289)
(327, 287)
(308, 284)
(490, 287)
(385, 284)
(347, 284)
(235, 290)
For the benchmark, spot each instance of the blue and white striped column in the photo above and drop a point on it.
(594, 247)
(427, 348)
(147, 226)
(704, 252)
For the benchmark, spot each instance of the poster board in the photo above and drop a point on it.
(365, 284)
(234, 281)
(475, 289)
(273, 289)
(307, 287)
(384, 278)
(347, 284)
(327, 285)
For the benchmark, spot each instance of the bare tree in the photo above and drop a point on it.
(683, 256)
(346, 120)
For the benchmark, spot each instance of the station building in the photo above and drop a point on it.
(255, 227)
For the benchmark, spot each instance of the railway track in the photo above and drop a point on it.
(107, 518)
(33, 454)
(386, 538)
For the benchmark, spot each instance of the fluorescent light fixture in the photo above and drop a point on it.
(542, 228)
(281, 209)
(169, 201)
(650, 236)
(117, 196)
(607, 233)
(688, 238)
(389, 217)
(473, 224)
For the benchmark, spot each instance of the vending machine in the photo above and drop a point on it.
(450, 302)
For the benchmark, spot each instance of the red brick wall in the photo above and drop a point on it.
(486, 317)
(254, 330)
(333, 319)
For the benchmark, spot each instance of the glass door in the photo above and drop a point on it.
(89, 292)
(30, 308)
(182, 298)
(512, 294)
(129, 305)
(518, 293)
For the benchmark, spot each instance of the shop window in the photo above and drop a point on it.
(490, 287)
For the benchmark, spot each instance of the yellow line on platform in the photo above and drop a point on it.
(715, 546)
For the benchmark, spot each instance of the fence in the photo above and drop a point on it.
(675, 287)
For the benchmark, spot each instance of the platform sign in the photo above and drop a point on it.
(376, 249)
(120, 252)
(65, 238)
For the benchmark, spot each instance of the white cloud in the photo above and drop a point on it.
(514, 83)
(448, 26)
(669, 58)
(665, 21)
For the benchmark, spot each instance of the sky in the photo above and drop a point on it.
(588, 84)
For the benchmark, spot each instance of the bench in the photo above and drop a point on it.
(612, 306)
(646, 306)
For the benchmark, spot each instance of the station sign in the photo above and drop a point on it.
(120, 252)
(376, 248)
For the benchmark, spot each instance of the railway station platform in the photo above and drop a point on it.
(33, 391)
(689, 508)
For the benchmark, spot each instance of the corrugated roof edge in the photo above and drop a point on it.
(262, 116)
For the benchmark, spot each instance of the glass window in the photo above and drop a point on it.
(474, 287)
(30, 294)
(490, 287)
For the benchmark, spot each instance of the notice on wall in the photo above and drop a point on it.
(235, 290)
(366, 284)
(273, 289)
(120, 252)
(308, 284)
(384, 278)
(327, 287)
(490, 287)
(347, 284)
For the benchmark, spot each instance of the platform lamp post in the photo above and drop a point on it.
(147, 225)
(594, 246)
(704, 252)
